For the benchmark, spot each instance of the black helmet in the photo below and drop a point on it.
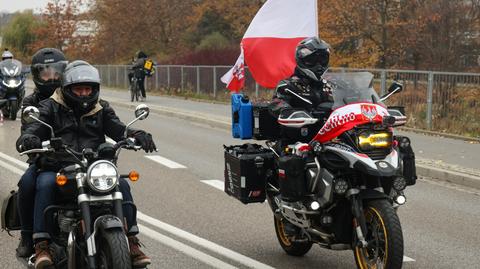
(141, 54)
(312, 56)
(47, 69)
(7, 55)
(80, 73)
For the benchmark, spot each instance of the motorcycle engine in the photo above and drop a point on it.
(66, 220)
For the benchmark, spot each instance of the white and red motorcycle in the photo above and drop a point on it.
(340, 189)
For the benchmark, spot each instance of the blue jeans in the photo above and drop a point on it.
(26, 199)
(45, 196)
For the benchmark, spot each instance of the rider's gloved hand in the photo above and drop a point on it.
(145, 140)
(30, 141)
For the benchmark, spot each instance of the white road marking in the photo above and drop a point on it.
(14, 160)
(407, 259)
(218, 184)
(249, 262)
(164, 161)
(165, 240)
(11, 168)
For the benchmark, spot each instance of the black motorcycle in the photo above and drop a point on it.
(12, 87)
(86, 224)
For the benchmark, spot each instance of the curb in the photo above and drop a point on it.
(440, 174)
(436, 173)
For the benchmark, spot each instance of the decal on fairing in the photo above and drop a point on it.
(347, 117)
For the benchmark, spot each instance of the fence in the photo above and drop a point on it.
(439, 101)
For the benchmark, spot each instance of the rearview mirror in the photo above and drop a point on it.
(142, 111)
(396, 87)
(29, 113)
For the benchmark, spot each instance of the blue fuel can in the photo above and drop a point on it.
(242, 117)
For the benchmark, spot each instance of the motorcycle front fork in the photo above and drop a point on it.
(359, 221)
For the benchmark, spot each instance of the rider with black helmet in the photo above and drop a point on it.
(81, 120)
(7, 55)
(47, 69)
(139, 71)
(305, 89)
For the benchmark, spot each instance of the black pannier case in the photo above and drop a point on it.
(246, 170)
(291, 177)
(265, 125)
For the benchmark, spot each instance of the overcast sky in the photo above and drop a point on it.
(11, 6)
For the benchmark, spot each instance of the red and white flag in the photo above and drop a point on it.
(270, 41)
(235, 77)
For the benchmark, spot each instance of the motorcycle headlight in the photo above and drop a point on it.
(12, 83)
(102, 176)
(368, 141)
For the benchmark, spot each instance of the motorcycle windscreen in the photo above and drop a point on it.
(351, 88)
(10, 68)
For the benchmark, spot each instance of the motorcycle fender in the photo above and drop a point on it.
(102, 223)
(369, 194)
(107, 222)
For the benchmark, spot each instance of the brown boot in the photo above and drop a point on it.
(43, 257)
(139, 259)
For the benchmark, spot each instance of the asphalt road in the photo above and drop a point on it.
(188, 223)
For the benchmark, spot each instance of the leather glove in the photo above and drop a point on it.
(30, 142)
(145, 140)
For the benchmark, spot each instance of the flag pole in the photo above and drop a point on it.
(316, 18)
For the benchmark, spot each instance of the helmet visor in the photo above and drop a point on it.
(314, 58)
(48, 73)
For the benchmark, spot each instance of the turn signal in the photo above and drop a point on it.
(61, 180)
(133, 175)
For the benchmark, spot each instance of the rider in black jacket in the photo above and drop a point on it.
(139, 71)
(47, 69)
(81, 120)
(305, 89)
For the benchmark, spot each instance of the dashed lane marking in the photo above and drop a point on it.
(218, 184)
(164, 161)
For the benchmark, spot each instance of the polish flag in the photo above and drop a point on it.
(270, 41)
(235, 77)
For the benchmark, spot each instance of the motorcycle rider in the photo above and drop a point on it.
(6, 55)
(305, 89)
(80, 118)
(139, 71)
(47, 69)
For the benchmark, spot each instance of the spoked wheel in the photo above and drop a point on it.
(291, 246)
(384, 238)
(112, 249)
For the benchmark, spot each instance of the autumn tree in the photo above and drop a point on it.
(125, 26)
(443, 34)
(58, 29)
(19, 34)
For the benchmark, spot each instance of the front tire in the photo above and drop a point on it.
(384, 237)
(291, 247)
(13, 110)
(112, 250)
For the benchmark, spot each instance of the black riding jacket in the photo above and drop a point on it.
(300, 92)
(88, 131)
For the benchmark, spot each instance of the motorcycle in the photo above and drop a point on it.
(87, 223)
(12, 88)
(338, 188)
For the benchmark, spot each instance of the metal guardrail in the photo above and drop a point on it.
(439, 101)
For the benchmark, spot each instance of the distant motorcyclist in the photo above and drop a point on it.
(82, 120)
(47, 69)
(139, 71)
(6, 55)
